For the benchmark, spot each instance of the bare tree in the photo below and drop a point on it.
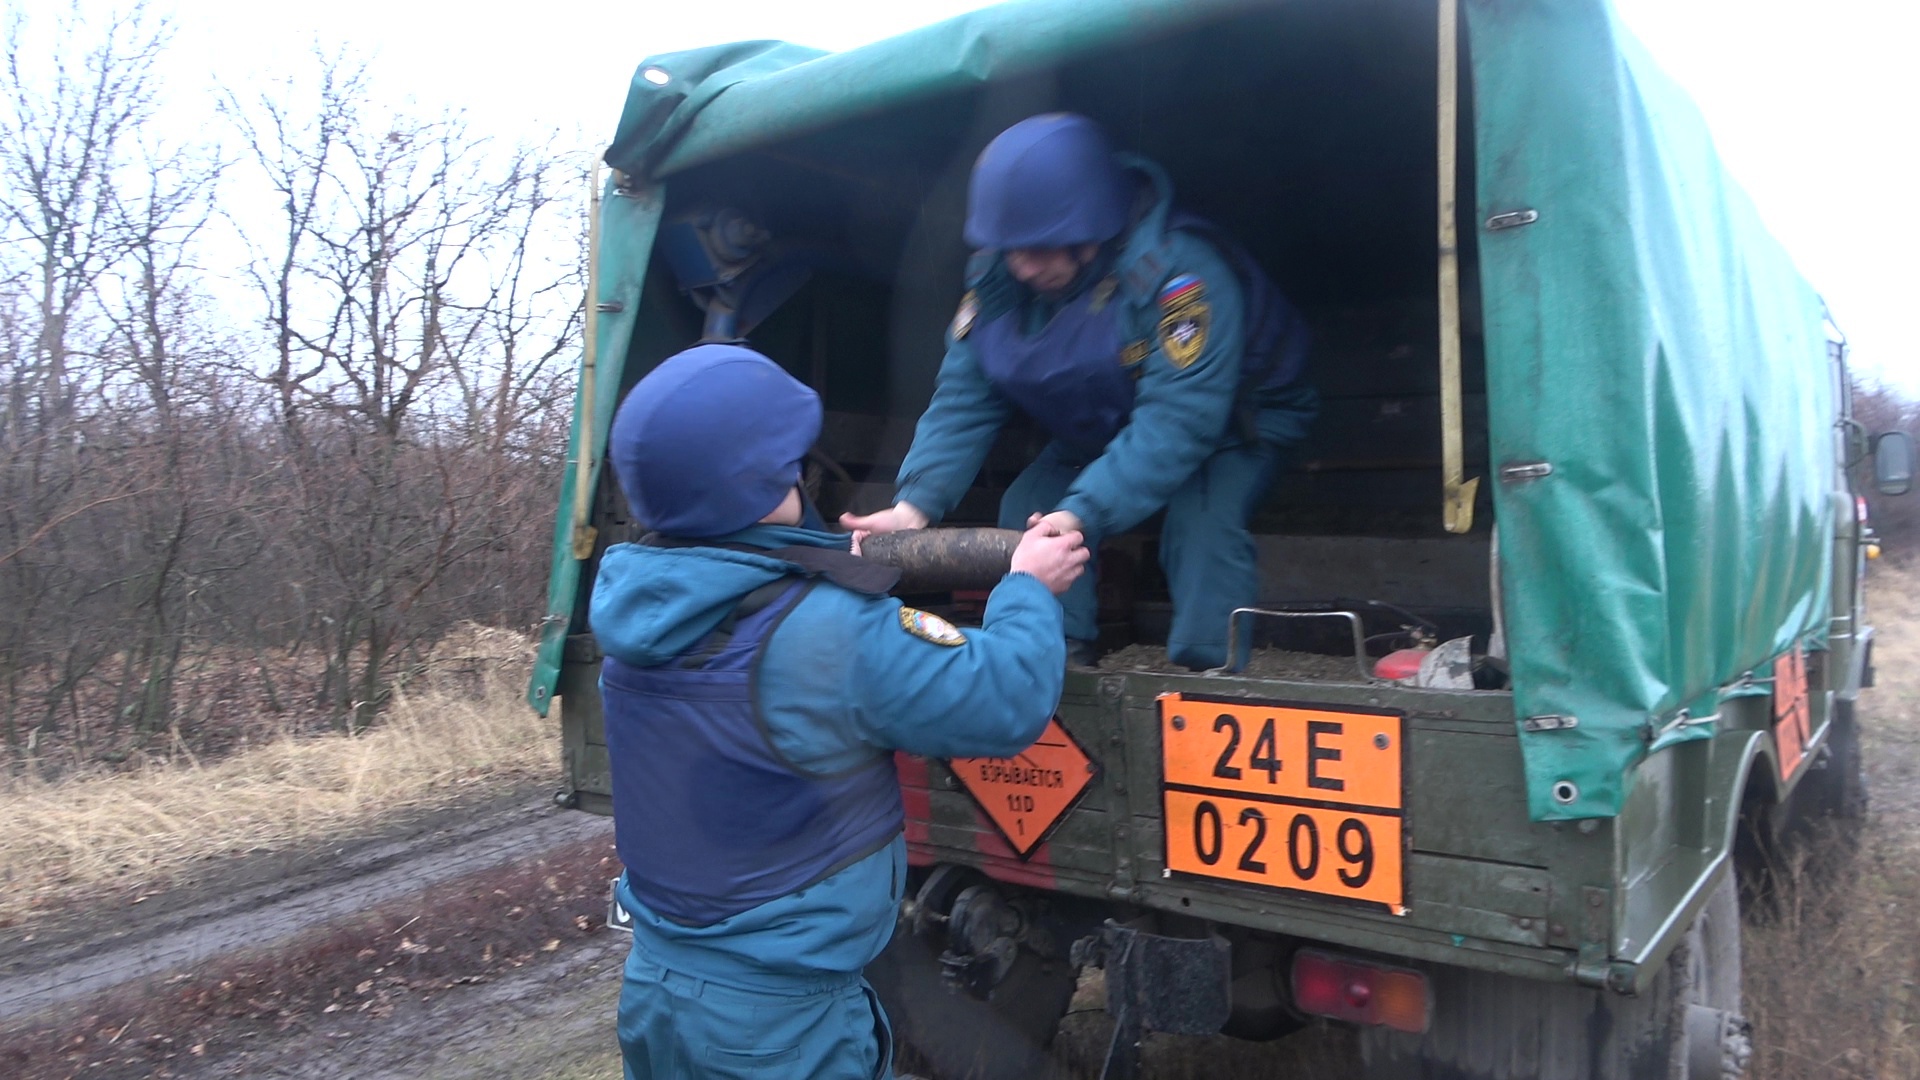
(399, 294)
(162, 361)
(61, 134)
(77, 90)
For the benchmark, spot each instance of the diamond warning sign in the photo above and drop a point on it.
(1026, 795)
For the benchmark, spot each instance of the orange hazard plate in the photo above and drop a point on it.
(1026, 795)
(1305, 798)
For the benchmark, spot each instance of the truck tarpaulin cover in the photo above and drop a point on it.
(1645, 337)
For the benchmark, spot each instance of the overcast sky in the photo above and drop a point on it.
(1813, 105)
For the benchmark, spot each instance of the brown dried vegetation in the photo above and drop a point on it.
(458, 733)
(1833, 964)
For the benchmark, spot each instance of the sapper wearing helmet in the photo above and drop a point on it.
(1163, 362)
(757, 679)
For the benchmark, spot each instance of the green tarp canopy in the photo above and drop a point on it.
(1646, 340)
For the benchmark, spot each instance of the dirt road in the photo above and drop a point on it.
(336, 961)
(468, 946)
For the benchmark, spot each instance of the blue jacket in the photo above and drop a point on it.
(840, 680)
(1181, 415)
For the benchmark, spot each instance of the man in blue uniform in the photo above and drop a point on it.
(1163, 362)
(757, 680)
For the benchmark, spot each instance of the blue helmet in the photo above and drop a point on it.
(1048, 181)
(711, 441)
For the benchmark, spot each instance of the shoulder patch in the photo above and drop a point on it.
(963, 318)
(1134, 352)
(930, 627)
(1183, 333)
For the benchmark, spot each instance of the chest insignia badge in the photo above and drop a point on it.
(930, 627)
(963, 319)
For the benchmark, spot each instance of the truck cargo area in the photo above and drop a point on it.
(1330, 186)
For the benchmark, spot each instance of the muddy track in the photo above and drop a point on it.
(260, 906)
(536, 1022)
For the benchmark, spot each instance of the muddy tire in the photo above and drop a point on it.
(947, 1035)
(1494, 1027)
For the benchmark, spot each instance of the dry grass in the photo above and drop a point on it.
(1831, 970)
(462, 725)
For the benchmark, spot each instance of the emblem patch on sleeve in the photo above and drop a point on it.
(1184, 318)
(963, 319)
(1183, 334)
(930, 627)
(1133, 353)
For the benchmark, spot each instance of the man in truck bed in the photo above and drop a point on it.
(1163, 362)
(757, 681)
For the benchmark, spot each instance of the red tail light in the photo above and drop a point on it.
(1360, 993)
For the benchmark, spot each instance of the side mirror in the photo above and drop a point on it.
(1893, 462)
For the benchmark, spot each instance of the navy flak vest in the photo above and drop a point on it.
(709, 818)
(1070, 377)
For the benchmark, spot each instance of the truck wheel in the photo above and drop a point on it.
(1837, 788)
(951, 1035)
(1687, 1026)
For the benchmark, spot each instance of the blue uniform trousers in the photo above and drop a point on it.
(1205, 548)
(675, 1026)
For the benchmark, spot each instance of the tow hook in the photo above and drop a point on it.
(1719, 1044)
(981, 931)
(983, 940)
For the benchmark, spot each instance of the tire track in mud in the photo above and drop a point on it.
(261, 916)
(555, 1018)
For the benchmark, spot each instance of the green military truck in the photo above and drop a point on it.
(1586, 426)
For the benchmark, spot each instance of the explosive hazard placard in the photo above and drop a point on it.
(1026, 795)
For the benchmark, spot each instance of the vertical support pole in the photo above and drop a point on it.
(584, 534)
(1459, 491)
